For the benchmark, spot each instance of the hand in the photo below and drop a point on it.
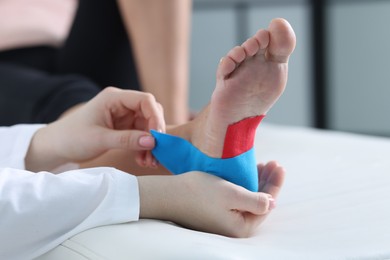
(114, 119)
(207, 203)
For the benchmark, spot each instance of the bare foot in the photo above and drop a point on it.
(250, 79)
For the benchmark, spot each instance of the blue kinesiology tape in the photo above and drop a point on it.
(180, 156)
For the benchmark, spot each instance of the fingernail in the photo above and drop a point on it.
(272, 204)
(146, 141)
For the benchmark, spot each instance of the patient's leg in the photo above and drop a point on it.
(249, 81)
(250, 78)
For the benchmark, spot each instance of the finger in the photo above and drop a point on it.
(264, 172)
(257, 203)
(150, 160)
(160, 107)
(271, 178)
(135, 140)
(140, 158)
(143, 103)
(151, 110)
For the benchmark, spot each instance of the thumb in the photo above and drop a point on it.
(135, 140)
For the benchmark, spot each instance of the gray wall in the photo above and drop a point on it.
(359, 75)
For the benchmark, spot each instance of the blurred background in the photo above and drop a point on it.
(339, 74)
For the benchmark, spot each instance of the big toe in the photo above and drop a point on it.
(282, 40)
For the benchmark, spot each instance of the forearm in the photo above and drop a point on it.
(159, 32)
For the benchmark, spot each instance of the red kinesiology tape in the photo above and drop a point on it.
(240, 136)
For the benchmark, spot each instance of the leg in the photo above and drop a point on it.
(249, 81)
(163, 63)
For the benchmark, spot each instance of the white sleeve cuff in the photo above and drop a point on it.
(15, 141)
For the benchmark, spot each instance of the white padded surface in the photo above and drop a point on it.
(335, 205)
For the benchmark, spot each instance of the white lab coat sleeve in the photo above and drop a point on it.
(38, 211)
(14, 143)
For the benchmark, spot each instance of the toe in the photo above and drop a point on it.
(251, 46)
(226, 66)
(262, 38)
(237, 54)
(282, 40)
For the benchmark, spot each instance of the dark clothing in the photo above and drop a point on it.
(38, 84)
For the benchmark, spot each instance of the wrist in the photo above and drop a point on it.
(41, 154)
(155, 199)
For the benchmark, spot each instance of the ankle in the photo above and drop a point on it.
(240, 136)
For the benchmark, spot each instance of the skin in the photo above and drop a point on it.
(159, 32)
(233, 211)
(114, 119)
(250, 79)
(96, 127)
